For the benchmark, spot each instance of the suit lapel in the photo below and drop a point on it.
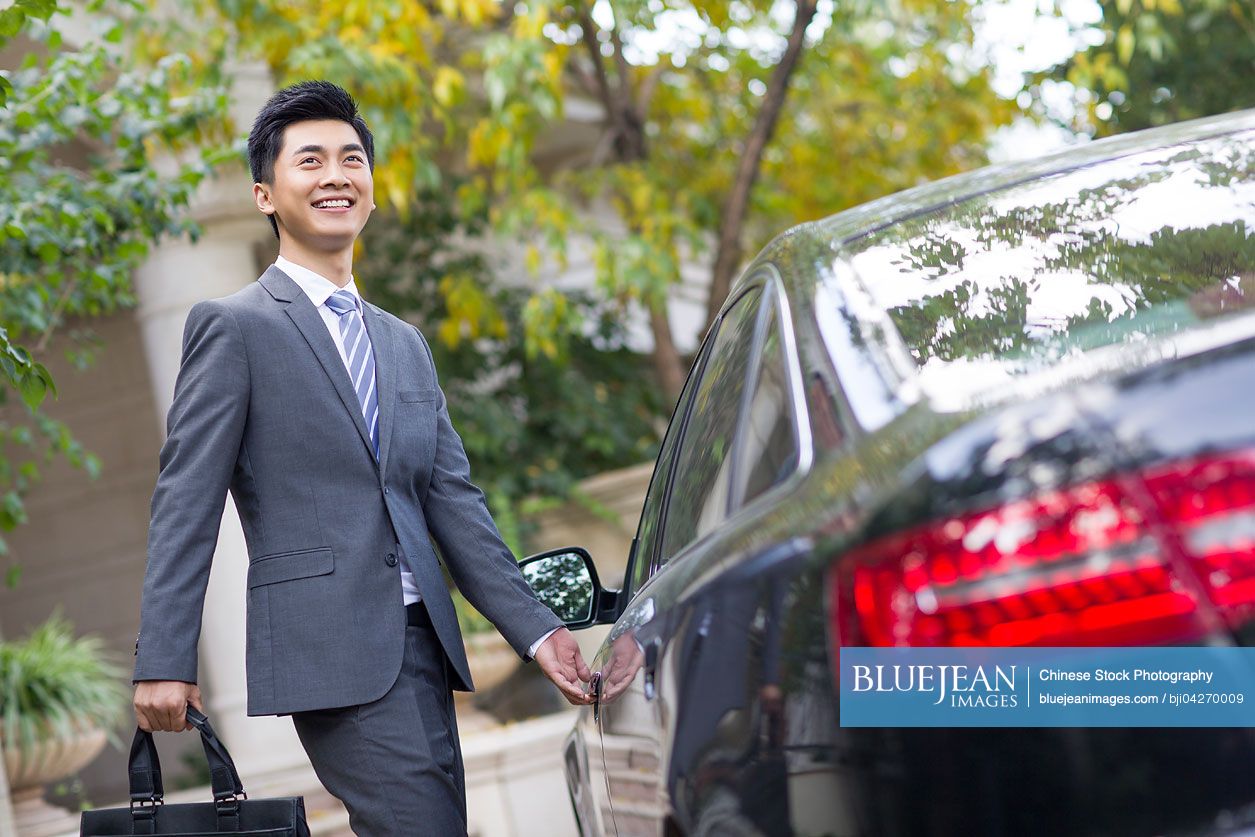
(310, 322)
(385, 376)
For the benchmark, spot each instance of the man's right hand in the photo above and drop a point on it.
(161, 705)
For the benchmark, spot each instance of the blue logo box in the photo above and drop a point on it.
(1047, 687)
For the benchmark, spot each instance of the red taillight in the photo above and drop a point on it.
(1125, 561)
(1211, 504)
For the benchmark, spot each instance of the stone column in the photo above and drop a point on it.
(6, 805)
(177, 275)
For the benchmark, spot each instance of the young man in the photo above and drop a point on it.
(323, 416)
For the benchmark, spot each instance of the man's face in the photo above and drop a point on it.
(323, 191)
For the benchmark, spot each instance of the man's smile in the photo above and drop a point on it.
(334, 204)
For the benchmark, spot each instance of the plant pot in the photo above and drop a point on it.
(51, 759)
(491, 660)
(48, 760)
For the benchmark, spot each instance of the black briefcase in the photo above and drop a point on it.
(231, 812)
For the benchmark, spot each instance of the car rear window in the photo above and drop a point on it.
(1125, 250)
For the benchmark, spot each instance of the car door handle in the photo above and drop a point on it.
(651, 648)
(594, 686)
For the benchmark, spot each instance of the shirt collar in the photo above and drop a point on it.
(316, 286)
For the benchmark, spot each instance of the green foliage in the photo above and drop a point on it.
(14, 19)
(470, 95)
(534, 419)
(534, 422)
(53, 684)
(81, 199)
(1163, 61)
(469, 99)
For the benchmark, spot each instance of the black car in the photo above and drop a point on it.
(1015, 407)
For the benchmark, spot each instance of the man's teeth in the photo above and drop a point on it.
(322, 204)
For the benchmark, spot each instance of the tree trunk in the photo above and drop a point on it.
(728, 251)
(625, 123)
(667, 361)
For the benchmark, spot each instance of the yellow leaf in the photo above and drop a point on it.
(529, 26)
(640, 198)
(552, 62)
(533, 259)
(479, 145)
(448, 86)
(1124, 44)
(398, 194)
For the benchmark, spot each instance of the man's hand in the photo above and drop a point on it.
(626, 659)
(560, 659)
(162, 704)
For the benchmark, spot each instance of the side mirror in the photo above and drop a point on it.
(565, 580)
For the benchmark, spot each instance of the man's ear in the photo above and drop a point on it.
(261, 197)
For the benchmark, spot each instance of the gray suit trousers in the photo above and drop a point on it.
(395, 762)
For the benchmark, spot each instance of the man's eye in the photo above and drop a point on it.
(354, 157)
(309, 159)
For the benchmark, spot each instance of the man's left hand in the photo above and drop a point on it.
(560, 659)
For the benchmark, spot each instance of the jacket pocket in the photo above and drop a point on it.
(286, 566)
(417, 395)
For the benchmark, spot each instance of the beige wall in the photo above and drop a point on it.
(620, 492)
(83, 548)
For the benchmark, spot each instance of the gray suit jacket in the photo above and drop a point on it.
(263, 406)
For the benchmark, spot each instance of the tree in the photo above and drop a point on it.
(71, 235)
(1161, 61)
(721, 122)
(533, 425)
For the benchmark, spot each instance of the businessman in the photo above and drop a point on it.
(323, 416)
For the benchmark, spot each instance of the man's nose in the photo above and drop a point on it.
(335, 176)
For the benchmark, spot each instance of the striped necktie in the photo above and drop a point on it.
(361, 360)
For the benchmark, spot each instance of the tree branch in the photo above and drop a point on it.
(645, 96)
(626, 126)
(732, 221)
(620, 62)
(62, 299)
(588, 33)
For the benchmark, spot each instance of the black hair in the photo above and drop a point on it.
(297, 103)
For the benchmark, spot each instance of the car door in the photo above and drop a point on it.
(689, 496)
(586, 759)
(735, 753)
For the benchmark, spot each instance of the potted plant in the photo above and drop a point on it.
(489, 655)
(59, 701)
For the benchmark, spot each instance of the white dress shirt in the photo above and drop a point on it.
(318, 288)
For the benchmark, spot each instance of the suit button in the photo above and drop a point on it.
(390, 560)
(387, 491)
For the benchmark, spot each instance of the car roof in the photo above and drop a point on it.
(803, 254)
(828, 235)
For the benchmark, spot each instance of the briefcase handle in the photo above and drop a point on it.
(144, 768)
